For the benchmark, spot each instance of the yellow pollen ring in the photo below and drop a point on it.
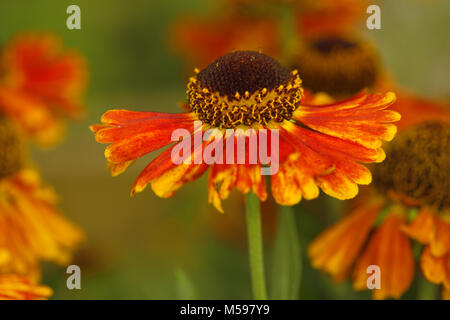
(249, 109)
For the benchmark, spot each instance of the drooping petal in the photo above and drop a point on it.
(223, 178)
(31, 228)
(361, 119)
(329, 162)
(430, 229)
(435, 269)
(390, 250)
(134, 134)
(440, 243)
(285, 185)
(118, 168)
(422, 227)
(334, 251)
(166, 177)
(446, 293)
(14, 287)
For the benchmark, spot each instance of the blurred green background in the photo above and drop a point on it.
(151, 248)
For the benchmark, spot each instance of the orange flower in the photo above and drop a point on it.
(319, 147)
(434, 231)
(415, 175)
(39, 83)
(336, 249)
(31, 228)
(329, 17)
(14, 287)
(204, 40)
(389, 249)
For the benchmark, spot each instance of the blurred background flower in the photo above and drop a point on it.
(13, 287)
(136, 246)
(40, 83)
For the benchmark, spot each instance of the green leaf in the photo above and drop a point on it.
(287, 258)
(185, 287)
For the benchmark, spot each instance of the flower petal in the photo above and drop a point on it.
(330, 162)
(435, 269)
(361, 119)
(422, 227)
(15, 287)
(165, 176)
(223, 178)
(134, 134)
(334, 251)
(390, 250)
(440, 243)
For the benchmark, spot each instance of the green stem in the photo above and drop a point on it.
(287, 258)
(255, 246)
(426, 290)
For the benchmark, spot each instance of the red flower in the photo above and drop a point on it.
(41, 83)
(319, 146)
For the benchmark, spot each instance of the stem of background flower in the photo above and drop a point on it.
(255, 246)
(426, 290)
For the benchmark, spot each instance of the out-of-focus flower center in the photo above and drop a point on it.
(244, 88)
(337, 66)
(418, 165)
(328, 45)
(11, 150)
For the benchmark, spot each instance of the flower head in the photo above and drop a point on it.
(329, 17)
(418, 166)
(14, 287)
(203, 40)
(410, 200)
(319, 146)
(338, 65)
(39, 83)
(244, 89)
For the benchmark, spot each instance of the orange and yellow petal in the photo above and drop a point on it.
(435, 269)
(331, 163)
(361, 119)
(31, 228)
(14, 287)
(286, 186)
(446, 293)
(335, 250)
(422, 227)
(295, 179)
(166, 177)
(429, 228)
(134, 134)
(223, 178)
(440, 243)
(389, 249)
